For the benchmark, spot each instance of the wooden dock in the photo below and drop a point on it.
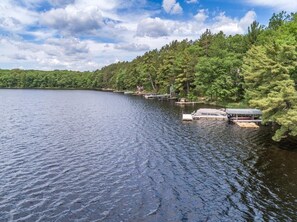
(128, 92)
(246, 120)
(156, 96)
(247, 125)
(187, 103)
(187, 117)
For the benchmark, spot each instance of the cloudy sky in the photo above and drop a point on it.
(89, 34)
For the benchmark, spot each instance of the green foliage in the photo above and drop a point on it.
(277, 20)
(269, 85)
(48, 79)
(254, 31)
(217, 74)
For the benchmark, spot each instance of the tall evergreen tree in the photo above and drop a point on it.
(277, 20)
(254, 30)
(269, 87)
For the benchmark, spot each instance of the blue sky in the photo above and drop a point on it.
(89, 34)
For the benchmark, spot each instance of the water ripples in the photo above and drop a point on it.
(93, 156)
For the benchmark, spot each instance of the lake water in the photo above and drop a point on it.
(98, 156)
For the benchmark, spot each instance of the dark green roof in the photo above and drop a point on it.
(243, 111)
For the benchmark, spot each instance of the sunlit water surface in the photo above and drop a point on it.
(97, 156)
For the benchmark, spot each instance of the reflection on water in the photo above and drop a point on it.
(95, 156)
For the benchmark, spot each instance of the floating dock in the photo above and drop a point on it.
(128, 92)
(247, 120)
(150, 96)
(156, 96)
(118, 91)
(187, 103)
(187, 117)
(247, 125)
(106, 90)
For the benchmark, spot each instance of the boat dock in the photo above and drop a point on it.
(118, 91)
(128, 92)
(187, 117)
(187, 103)
(242, 117)
(159, 97)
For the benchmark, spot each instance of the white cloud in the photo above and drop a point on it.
(247, 19)
(172, 7)
(132, 47)
(152, 28)
(172, 29)
(61, 2)
(201, 16)
(69, 46)
(53, 54)
(14, 18)
(232, 26)
(168, 5)
(66, 53)
(105, 5)
(287, 5)
(89, 34)
(191, 1)
(73, 19)
(97, 19)
(177, 9)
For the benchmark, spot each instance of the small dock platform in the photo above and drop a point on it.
(156, 96)
(128, 92)
(187, 103)
(187, 117)
(118, 91)
(106, 90)
(247, 125)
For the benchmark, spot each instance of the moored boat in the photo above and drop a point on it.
(206, 113)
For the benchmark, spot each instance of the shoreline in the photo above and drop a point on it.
(179, 103)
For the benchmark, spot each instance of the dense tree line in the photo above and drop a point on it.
(18, 78)
(258, 69)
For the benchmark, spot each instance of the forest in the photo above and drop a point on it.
(258, 69)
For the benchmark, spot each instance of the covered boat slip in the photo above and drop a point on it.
(244, 115)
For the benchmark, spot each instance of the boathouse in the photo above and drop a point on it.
(244, 115)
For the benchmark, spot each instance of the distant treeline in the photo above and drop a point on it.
(61, 79)
(258, 68)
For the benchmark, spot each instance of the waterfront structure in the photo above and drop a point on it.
(232, 115)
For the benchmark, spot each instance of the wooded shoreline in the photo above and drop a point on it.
(258, 68)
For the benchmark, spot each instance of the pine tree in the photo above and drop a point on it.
(268, 85)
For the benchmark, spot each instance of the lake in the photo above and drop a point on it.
(97, 156)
